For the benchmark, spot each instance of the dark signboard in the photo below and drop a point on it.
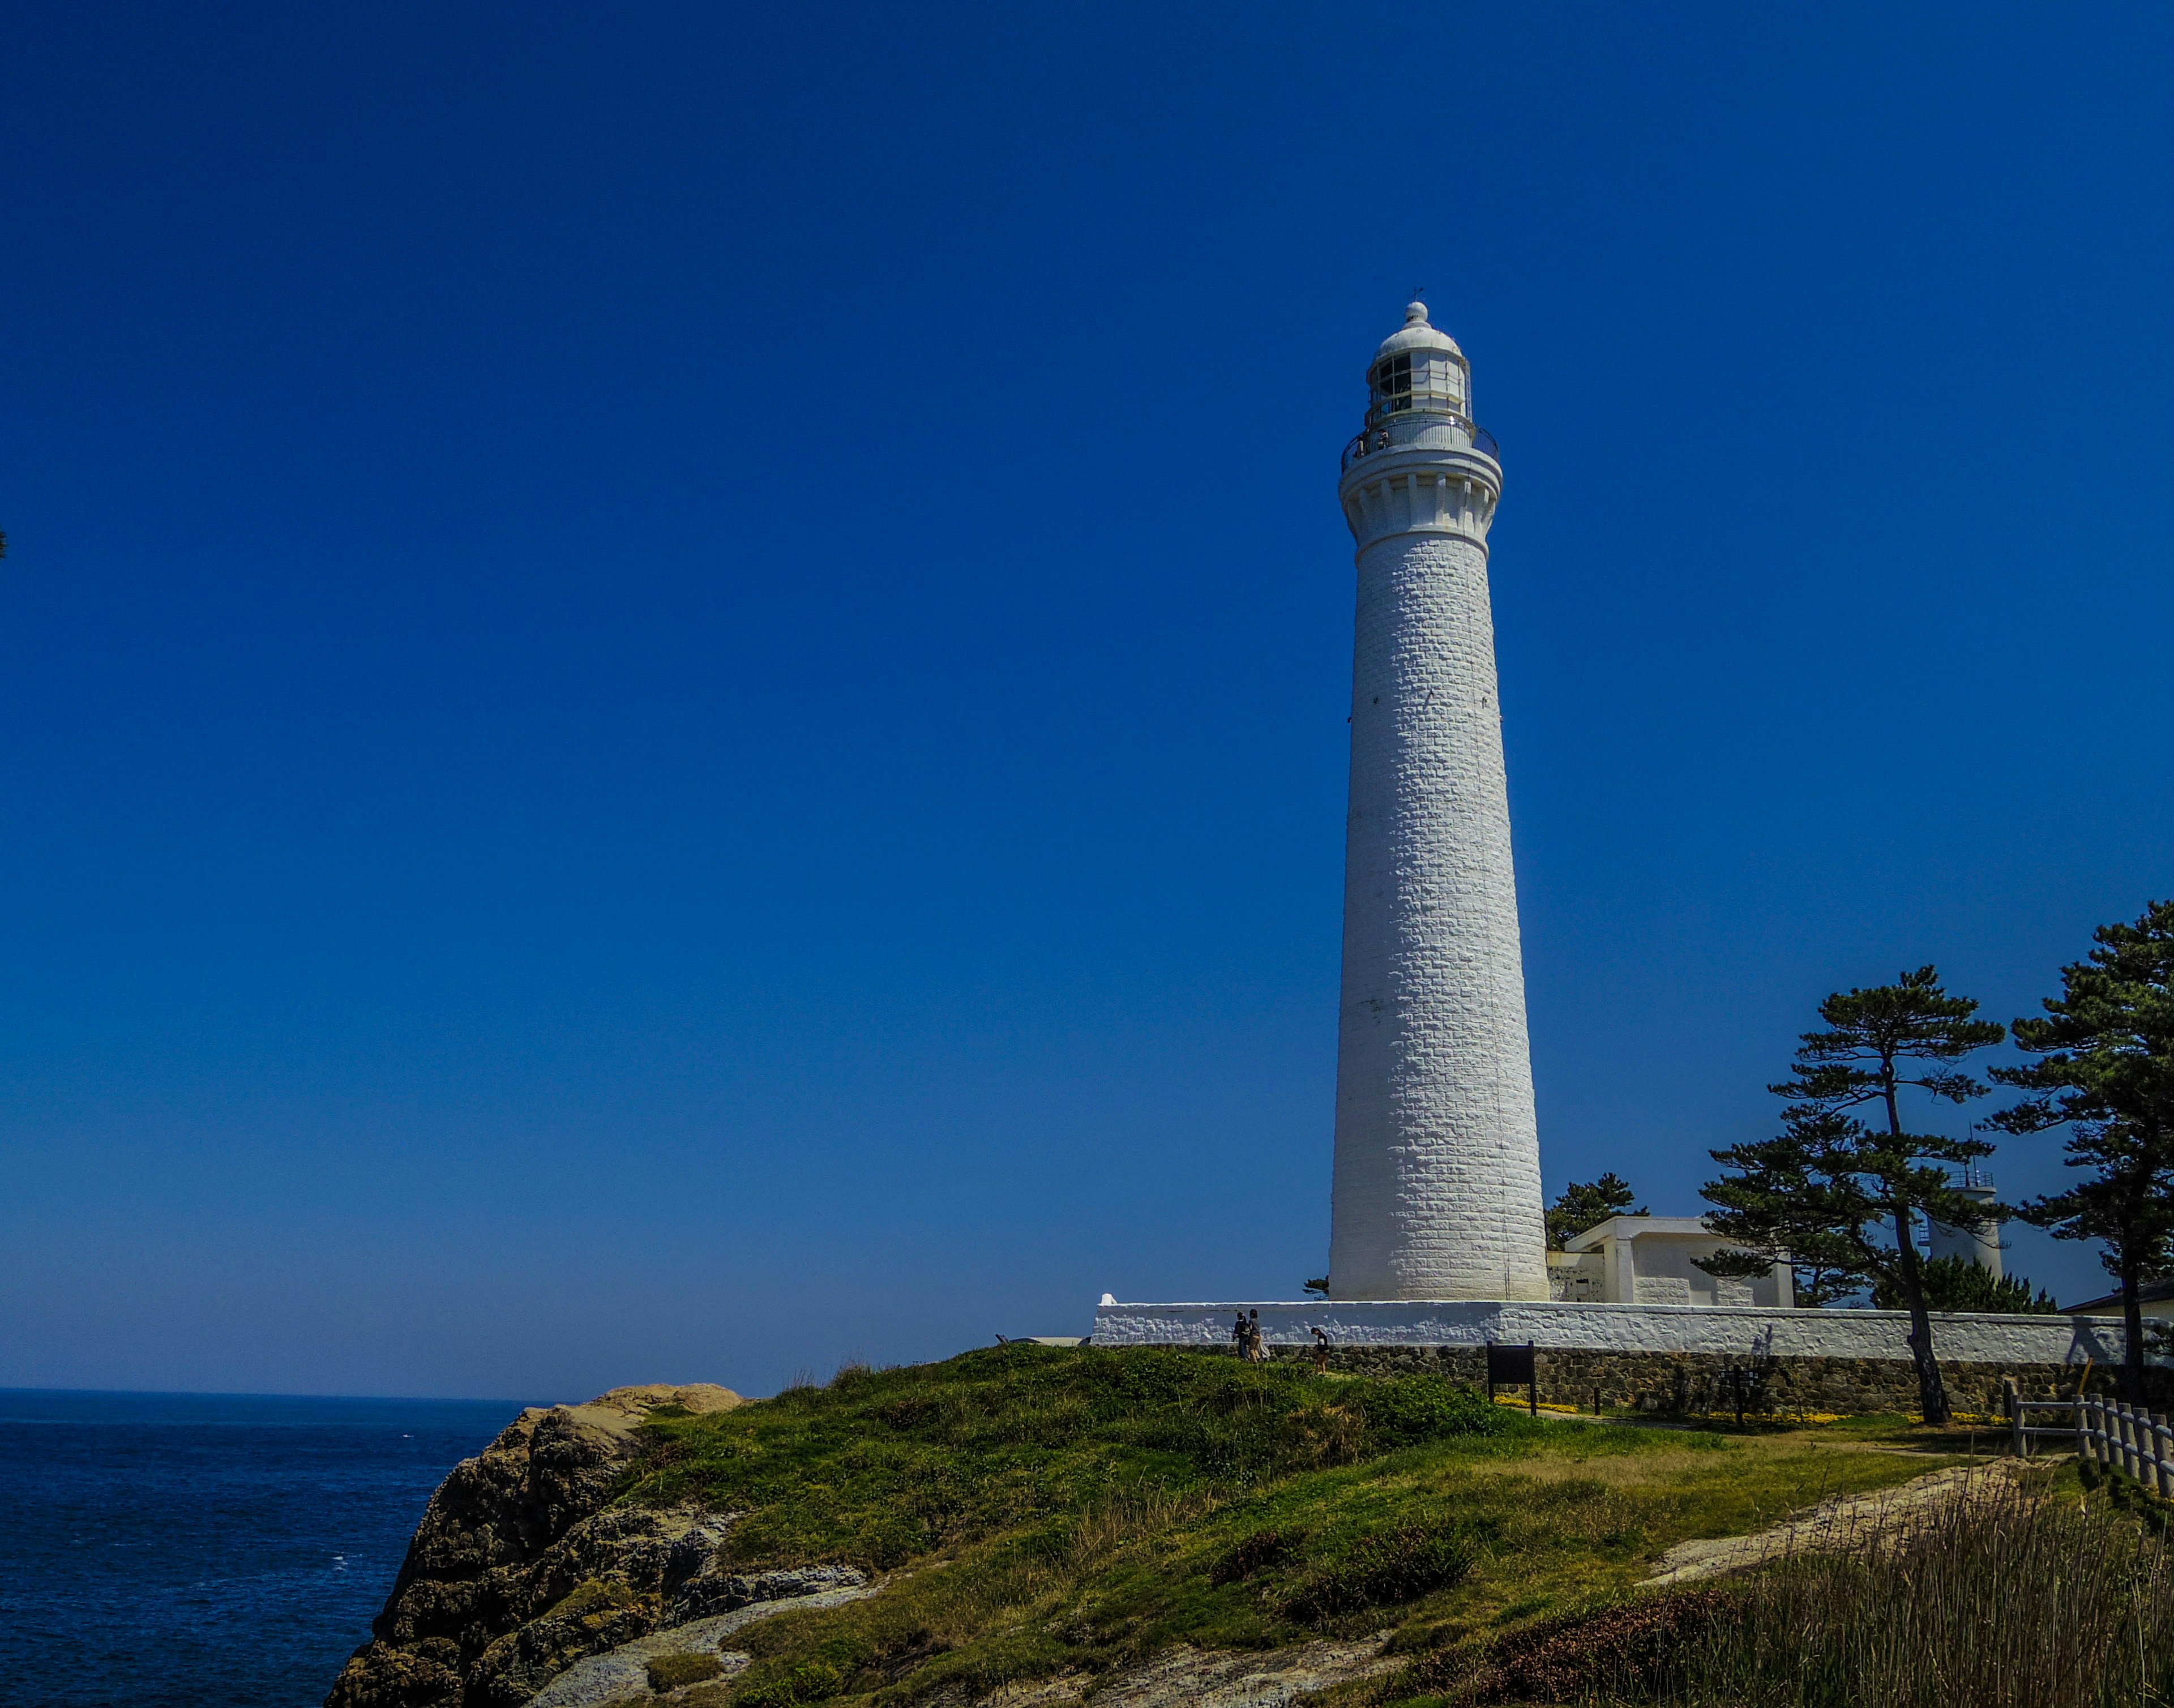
(1509, 1365)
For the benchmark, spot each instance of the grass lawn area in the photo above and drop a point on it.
(1040, 1511)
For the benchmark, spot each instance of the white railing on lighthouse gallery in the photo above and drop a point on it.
(2111, 1433)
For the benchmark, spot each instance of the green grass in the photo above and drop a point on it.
(670, 1672)
(1045, 1511)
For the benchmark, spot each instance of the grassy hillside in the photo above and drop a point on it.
(1047, 1510)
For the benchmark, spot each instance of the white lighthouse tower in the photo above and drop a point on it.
(1437, 1182)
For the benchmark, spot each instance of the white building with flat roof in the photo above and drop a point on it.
(1651, 1260)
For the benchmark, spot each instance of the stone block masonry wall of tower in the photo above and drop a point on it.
(1437, 1185)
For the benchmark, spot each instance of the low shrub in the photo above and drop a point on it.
(811, 1681)
(1636, 1647)
(1384, 1570)
(1408, 1411)
(593, 1594)
(913, 1409)
(2130, 1496)
(670, 1672)
(1264, 1550)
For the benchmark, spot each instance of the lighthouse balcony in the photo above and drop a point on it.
(1462, 433)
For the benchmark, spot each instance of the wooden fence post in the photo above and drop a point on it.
(2162, 1450)
(2125, 1426)
(2017, 1441)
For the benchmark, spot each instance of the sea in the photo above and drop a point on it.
(207, 1550)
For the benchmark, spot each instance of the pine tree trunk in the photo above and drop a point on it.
(2132, 1322)
(1931, 1391)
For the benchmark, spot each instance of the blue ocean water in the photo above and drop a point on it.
(199, 1551)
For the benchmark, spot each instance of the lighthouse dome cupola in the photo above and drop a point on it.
(1421, 461)
(1418, 371)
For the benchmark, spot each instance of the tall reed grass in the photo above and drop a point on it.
(2014, 1600)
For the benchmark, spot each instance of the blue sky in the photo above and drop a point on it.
(673, 680)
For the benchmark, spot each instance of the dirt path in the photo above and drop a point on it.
(1839, 1522)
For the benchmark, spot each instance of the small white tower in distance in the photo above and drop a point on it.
(1980, 1245)
(1437, 1184)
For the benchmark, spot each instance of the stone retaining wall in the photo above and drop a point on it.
(1674, 1382)
(1671, 1383)
(1667, 1358)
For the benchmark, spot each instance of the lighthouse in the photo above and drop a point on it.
(1437, 1249)
(1437, 1172)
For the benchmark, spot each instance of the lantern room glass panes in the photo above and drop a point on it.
(1393, 383)
(1432, 380)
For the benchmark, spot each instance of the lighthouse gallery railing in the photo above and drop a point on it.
(1363, 444)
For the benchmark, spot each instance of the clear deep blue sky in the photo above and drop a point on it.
(674, 680)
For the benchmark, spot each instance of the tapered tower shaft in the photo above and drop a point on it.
(1438, 1177)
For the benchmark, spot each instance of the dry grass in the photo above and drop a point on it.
(2025, 1599)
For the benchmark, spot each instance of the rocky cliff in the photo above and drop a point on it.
(520, 1569)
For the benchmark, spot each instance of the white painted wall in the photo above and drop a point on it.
(1968, 1338)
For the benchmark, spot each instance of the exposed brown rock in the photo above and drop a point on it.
(630, 1405)
(519, 1536)
(601, 1614)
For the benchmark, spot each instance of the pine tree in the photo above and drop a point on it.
(1784, 1205)
(1587, 1206)
(2106, 1072)
(1957, 1284)
(1830, 1189)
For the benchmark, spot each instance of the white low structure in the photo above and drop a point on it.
(1738, 1331)
(1653, 1260)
